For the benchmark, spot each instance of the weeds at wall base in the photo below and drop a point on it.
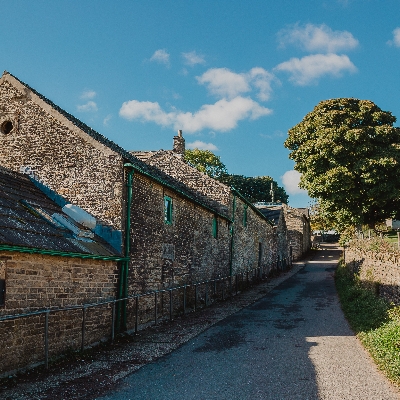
(375, 321)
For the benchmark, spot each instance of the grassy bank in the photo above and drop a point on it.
(374, 320)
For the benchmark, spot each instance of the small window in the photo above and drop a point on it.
(215, 227)
(245, 215)
(6, 127)
(168, 210)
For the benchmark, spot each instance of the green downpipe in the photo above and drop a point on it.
(123, 290)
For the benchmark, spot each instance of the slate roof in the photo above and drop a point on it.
(271, 213)
(26, 221)
(137, 163)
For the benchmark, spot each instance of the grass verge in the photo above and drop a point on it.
(375, 321)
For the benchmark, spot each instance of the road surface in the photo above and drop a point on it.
(294, 343)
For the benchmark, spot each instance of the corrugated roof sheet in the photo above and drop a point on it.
(26, 220)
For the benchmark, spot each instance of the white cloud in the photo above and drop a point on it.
(308, 69)
(316, 38)
(291, 180)
(107, 119)
(222, 116)
(88, 94)
(261, 79)
(90, 106)
(396, 38)
(160, 56)
(224, 83)
(192, 58)
(198, 144)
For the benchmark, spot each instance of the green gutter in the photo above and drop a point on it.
(255, 209)
(34, 250)
(175, 189)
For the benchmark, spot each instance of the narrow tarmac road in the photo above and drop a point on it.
(294, 343)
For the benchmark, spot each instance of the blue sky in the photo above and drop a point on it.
(233, 75)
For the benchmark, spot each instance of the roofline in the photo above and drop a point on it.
(35, 250)
(183, 194)
(137, 164)
(255, 209)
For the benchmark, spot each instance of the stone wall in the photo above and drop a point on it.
(206, 187)
(298, 231)
(65, 158)
(165, 255)
(383, 269)
(254, 241)
(37, 282)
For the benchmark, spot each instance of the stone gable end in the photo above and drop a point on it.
(62, 156)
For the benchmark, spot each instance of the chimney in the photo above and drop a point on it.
(179, 144)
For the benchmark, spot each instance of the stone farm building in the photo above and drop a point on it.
(83, 220)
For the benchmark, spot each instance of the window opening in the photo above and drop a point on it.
(215, 227)
(168, 210)
(245, 215)
(6, 127)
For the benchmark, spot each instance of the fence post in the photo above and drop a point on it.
(236, 283)
(113, 322)
(155, 308)
(184, 299)
(83, 328)
(195, 297)
(170, 305)
(46, 340)
(136, 314)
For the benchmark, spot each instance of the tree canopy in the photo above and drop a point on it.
(206, 161)
(253, 188)
(349, 155)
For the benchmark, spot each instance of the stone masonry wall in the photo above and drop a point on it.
(37, 282)
(299, 233)
(381, 268)
(255, 244)
(72, 163)
(167, 255)
(208, 188)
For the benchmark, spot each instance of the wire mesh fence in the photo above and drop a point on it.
(142, 309)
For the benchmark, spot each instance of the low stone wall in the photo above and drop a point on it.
(39, 282)
(382, 270)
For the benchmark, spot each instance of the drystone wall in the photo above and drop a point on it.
(382, 270)
(38, 282)
(63, 157)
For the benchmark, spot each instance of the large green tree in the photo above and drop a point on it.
(348, 152)
(205, 161)
(253, 188)
(257, 188)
